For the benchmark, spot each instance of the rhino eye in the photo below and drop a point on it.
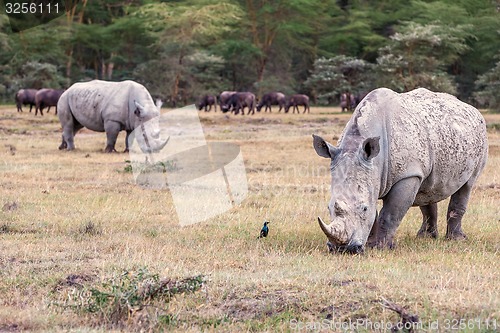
(365, 208)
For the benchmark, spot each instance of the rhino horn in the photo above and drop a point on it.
(158, 145)
(331, 232)
(163, 144)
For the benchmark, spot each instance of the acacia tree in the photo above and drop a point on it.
(291, 24)
(332, 76)
(181, 30)
(488, 86)
(419, 55)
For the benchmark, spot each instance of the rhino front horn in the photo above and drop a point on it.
(331, 232)
(324, 227)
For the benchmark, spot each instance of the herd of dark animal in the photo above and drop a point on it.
(228, 101)
(236, 102)
(39, 98)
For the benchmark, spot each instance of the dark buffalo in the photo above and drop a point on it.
(296, 100)
(46, 97)
(206, 102)
(24, 97)
(274, 98)
(348, 101)
(239, 101)
(224, 97)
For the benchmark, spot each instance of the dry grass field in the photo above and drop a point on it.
(83, 249)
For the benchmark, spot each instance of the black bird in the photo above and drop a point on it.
(265, 230)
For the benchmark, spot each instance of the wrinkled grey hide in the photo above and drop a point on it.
(108, 107)
(411, 149)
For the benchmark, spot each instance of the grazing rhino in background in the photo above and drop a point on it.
(410, 149)
(224, 97)
(206, 102)
(47, 97)
(274, 98)
(239, 101)
(109, 107)
(24, 97)
(295, 100)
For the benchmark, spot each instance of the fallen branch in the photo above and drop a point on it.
(405, 316)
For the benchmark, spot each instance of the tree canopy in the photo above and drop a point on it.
(182, 49)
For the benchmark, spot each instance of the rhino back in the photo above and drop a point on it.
(433, 136)
(94, 102)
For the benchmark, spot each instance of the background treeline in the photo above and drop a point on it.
(182, 49)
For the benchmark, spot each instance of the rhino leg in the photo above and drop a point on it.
(396, 203)
(126, 142)
(456, 210)
(429, 223)
(63, 144)
(112, 129)
(68, 136)
(70, 128)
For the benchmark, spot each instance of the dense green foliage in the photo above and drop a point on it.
(182, 49)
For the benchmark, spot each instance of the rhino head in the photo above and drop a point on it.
(147, 119)
(354, 191)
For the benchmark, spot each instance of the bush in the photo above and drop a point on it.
(129, 295)
(487, 87)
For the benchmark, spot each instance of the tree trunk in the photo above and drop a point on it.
(260, 73)
(70, 15)
(110, 67)
(109, 73)
(175, 91)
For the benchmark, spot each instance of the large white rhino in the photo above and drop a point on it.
(109, 107)
(410, 149)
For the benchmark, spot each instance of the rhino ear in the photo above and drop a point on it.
(371, 148)
(139, 108)
(323, 148)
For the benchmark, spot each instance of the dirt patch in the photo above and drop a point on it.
(262, 121)
(265, 304)
(75, 280)
(10, 206)
(493, 150)
(340, 283)
(10, 328)
(489, 186)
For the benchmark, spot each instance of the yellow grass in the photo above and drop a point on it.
(49, 197)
